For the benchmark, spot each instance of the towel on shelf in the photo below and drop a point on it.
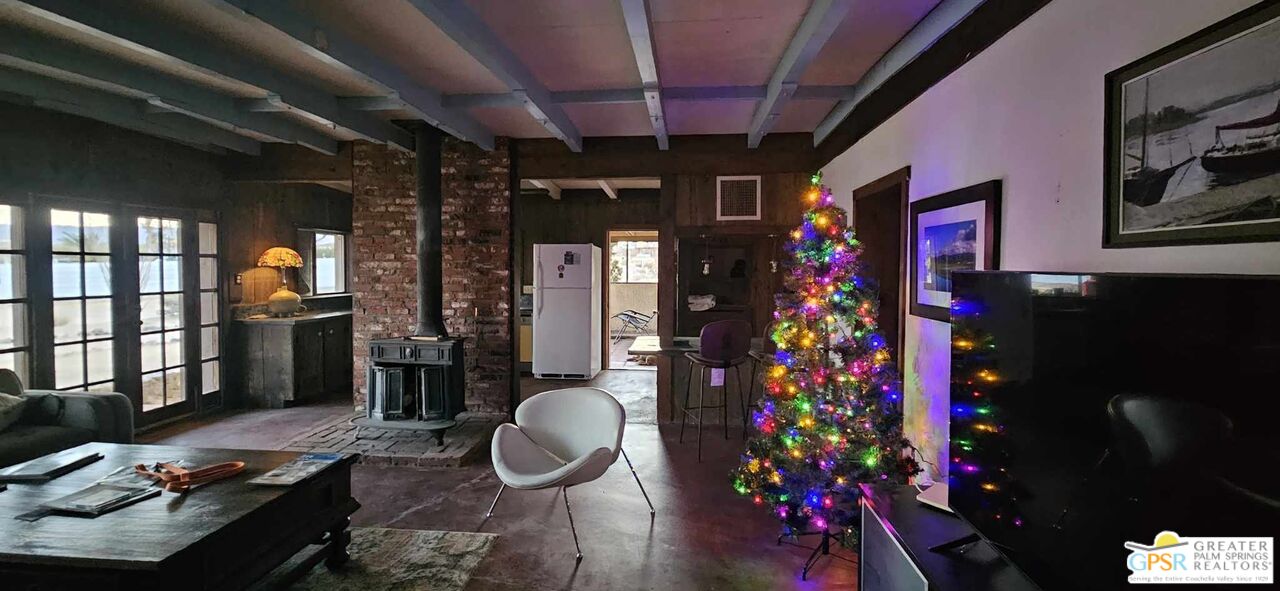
(698, 303)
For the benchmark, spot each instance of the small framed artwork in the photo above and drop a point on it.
(1193, 138)
(956, 231)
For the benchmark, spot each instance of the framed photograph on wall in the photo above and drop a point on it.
(1193, 138)
(956, 231)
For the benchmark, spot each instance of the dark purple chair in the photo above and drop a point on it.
(723, 344)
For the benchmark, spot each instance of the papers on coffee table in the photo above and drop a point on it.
(297, 470)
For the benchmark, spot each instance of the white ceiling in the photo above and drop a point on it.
(565, 45)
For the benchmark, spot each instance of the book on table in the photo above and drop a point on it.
(49, 467)
(297, 470)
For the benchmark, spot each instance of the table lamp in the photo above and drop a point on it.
(283, 302)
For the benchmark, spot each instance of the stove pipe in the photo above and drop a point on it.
(430, 252)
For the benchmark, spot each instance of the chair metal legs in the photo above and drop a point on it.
(637, 477)
(495, 500)
(564, 491)
(686, 412)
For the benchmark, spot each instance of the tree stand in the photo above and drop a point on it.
(822, 549)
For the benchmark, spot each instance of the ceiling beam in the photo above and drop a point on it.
(354, 59)
(550, 187)
(815, 29)
(636, 14)
(390, 102)
(171, 46)
(608, 187)
(456, 20)
(39, 54)
(616, 96)
(126, 112)
(944, 17)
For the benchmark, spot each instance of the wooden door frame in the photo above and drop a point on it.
(901, 178)
(606, 344)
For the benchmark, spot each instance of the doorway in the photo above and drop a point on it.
(880, 223)
(632, 299)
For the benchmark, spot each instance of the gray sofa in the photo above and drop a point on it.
(54, 421)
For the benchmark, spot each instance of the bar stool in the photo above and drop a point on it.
(759, 359)
(723, 344)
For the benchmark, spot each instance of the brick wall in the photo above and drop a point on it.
(383, 248)
(477, 266)
(476, 232)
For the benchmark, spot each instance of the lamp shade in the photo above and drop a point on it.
(280, 256)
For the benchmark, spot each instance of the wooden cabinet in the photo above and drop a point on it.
(288, 361)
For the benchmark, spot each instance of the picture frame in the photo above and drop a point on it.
(955, 231)
(1192, 138)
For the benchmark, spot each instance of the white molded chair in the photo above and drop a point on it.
(561, 438)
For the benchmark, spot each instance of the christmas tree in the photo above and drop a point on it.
(831, 415)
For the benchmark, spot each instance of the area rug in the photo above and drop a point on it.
(403, 560)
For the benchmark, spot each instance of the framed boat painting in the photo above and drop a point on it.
(955, 231)
(1193, 138)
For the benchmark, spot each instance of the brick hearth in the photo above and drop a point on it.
(463, 444)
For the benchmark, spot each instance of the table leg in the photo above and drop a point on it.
(339, 538)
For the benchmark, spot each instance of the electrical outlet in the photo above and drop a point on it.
(239, 278)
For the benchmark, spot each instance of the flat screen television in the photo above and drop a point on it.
(1035, 464)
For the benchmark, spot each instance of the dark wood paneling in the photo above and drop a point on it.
(57, 155)
(261, 216)
(580, 220)
(640, 156)
(780, 203)
(288, 163)
(984, 26)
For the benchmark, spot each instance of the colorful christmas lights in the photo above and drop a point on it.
(831, 417)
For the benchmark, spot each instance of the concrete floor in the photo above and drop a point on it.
(704, 535)
(636, 390)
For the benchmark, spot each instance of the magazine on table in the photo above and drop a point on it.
(100, 498)
(297, 469)
(123, 486)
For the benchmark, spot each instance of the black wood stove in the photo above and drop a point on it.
(411, 379)
(422, 376)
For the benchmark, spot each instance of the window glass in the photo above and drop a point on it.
(330, 263)
(633, 261)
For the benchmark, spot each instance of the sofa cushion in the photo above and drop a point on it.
(10, 410)
(10, 383)
(43, 409)
(26, 442)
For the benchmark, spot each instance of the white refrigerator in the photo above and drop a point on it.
(567, 299)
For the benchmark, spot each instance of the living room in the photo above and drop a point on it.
(638, 294)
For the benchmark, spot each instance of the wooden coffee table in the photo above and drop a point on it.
(224, 535)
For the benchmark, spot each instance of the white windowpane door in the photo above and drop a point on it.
(14, 336)
(210, 337)
(160, 297)
(83, 339)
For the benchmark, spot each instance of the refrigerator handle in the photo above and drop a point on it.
(537, 288)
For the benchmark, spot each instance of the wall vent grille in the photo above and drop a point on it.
(737, 198)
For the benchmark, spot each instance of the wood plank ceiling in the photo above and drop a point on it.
(229, 74)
